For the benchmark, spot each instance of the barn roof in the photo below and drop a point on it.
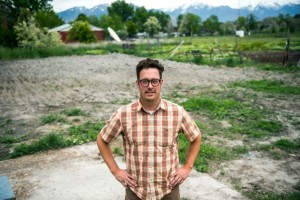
(67, 27)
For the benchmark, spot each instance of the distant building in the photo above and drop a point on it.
(64, 29)
(239, 33)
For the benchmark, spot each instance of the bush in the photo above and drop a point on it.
(29, 36)
(82, 32)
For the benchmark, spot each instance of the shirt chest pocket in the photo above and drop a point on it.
(167, 138)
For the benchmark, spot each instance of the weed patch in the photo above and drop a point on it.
(208, 154)
(270, 195)
(8, 140)
(53, 118)
(51, 141)
(288, 145)
(267, 86)
(118, 151)
(74, 112)
(85, 133)
(245, 118)
(4, 121)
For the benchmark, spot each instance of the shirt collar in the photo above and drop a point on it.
(162, 105)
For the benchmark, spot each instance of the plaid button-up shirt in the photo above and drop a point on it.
(150, 143)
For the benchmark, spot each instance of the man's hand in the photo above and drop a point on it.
(179, 176)
(124, 178)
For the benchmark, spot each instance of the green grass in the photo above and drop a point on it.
(74, 112)
(51, 141)
(269, 86)
(215, 50)
(270, 195)
(8, 140)
(278, 68)
(76, 135)
(208, 154)
(85, 133)
(288, 145)
(48, 119)
(64, 50)
(118, 151)
(245, 118)
(279, 149)
(4, 121)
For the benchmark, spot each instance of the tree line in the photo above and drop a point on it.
(128, 21)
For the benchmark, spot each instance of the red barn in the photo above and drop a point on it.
(64, 29)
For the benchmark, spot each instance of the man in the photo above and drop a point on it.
(150, 127)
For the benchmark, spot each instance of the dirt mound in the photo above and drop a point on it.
(32, 88)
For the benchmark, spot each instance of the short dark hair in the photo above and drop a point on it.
(149, 63)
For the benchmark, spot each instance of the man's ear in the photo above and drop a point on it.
(137, 83)
(161, 82)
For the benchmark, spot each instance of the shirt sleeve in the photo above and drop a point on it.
(112, 128)
(189, 127)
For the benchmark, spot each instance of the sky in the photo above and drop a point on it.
(61, 5)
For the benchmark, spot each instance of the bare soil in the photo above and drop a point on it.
(32, 88)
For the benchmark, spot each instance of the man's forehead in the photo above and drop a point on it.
(149, 72)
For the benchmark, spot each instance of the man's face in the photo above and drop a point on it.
(150, 92)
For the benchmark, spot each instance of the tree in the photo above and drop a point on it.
(179, 19)
(252, 23)
(94, 20)
(131, 28)
(114, 22)
(269, 25)
(152, 26)
(162, 17)
(24, 15)
(121, 9)
(32, 5)
(227, 28)
(81, 17)
(284, 21)
(190, 24)
(30, 36)
(9, 13)
(140, 17)
(48, 19)
(211, 24)
(241, 23)
(82, 32)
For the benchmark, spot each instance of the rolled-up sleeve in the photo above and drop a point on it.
(112, 128)
(189, 127)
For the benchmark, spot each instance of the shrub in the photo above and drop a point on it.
(82, 32)
(30, 36)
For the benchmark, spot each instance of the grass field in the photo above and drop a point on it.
(217, 50)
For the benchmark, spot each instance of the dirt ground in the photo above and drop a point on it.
(32, 88)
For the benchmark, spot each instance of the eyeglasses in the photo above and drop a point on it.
(154, 82)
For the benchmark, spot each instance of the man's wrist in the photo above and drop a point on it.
(188, 167)
(114, 171)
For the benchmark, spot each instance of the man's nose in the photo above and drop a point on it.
(150, 85)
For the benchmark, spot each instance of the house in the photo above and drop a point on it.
(65, 28)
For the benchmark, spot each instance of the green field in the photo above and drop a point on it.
(214, 51)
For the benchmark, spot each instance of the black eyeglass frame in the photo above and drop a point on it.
(146, 82)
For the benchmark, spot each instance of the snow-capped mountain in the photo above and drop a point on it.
(71, 14)
(224, 13)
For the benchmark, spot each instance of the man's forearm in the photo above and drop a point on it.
(192, 152)
(107, 154)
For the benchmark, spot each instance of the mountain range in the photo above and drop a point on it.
(224, 13)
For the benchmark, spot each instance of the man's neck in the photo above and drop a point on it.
(150, 105)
